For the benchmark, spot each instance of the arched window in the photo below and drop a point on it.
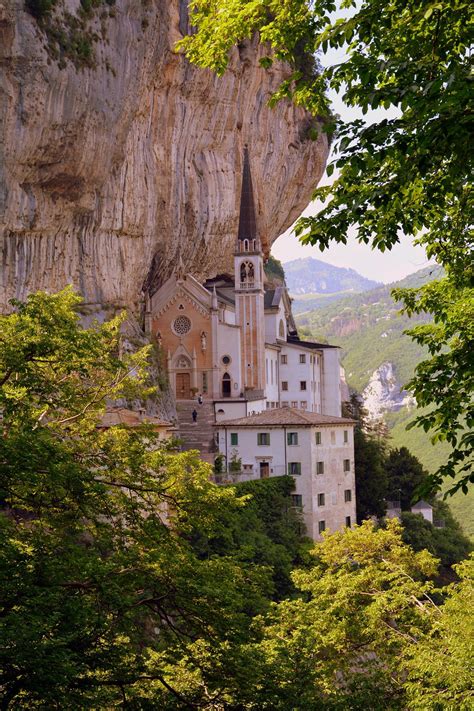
(246, 245)
(246, 272)
(254, 245)
(281, 329)
(226, 385)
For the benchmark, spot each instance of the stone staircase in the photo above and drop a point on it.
(197, 435)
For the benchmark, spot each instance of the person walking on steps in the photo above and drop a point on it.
(200, 400)
(194, 415)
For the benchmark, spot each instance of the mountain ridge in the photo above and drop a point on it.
(310, 276)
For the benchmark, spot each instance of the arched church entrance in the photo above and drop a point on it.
(183, 378)
(183, 386)
(226, 385)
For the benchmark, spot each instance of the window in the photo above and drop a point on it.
(321, 526)
(321, 499)
(304, 404)
(204, 382)
(285, 403)
(284, 384)
(283, 359)
(263, 438)
(302, 384)
(346, 436)
(234, 439)
(297, 500)
(302, 358)
(318, 437)
(181, 325)
(347, 495)
(294, 468)
(319, 467)
(294, 403)
(268, 405)
(333, 437)
(347, 465)
(348, 521)
(292, 438)
(226, 359)
(281, 329)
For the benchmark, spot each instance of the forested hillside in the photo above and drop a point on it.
(370, 330)
(312, 277)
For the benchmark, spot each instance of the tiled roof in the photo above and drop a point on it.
(282, 416)
(131, 418)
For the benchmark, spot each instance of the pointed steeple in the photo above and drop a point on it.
(247, 221)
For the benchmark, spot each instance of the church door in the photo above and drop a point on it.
(226, 385)
(264, 470)
(183, 386)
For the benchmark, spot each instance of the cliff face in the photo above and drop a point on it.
(114, 171)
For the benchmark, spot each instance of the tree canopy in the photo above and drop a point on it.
(129, 580)
(408, 172)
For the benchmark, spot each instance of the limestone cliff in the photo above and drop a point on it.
(119, 167)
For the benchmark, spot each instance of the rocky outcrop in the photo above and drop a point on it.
(120, 168)
(384, 393)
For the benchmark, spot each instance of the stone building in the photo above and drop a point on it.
(232, 341)
(317, 450)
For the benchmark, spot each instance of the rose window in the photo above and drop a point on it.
(181, 325)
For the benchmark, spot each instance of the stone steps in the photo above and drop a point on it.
(197, 435)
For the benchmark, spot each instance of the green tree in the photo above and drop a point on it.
(370, 453)
(448, 542)
(407, 172)
(339, 645)
(439, 666)
(405, 474)
(102, 594)
(361, 634)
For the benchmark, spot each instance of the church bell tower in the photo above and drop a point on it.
(249, 292)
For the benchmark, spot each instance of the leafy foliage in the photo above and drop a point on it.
(370, 451)
(445, 382)
(405, 476)
(274, 270)
(102, 593)
(448, 543)
(128, 579)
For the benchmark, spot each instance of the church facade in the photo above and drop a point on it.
(233, 341)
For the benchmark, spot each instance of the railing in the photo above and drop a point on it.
(247, 285)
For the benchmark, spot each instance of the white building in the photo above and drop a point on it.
(317, 450)
(233, 340)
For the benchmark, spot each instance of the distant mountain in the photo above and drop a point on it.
(379, 359)
(311, 276)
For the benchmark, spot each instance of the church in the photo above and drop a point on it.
(272, 401)
(233, 339)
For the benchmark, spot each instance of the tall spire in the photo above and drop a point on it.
(247, 221)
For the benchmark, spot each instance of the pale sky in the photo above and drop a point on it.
(405, 258)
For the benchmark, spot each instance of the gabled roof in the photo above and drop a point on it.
(273, 297)
(422, 505)
(286, 416)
